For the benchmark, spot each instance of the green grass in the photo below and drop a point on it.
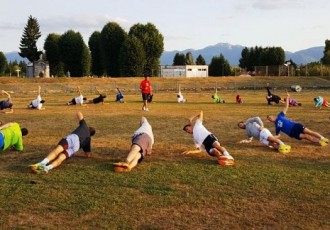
(168, 190)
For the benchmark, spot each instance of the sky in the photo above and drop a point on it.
(185, 24)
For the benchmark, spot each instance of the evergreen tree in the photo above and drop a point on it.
(3, 63)
(326, 53)
(73, 54)
(200, 60)
(132, 58)
(28, 45)
(219, 66)
(53, 56)
(112, 38)
(189, 59)
(179, 59)
(153, 44)
(94, 44)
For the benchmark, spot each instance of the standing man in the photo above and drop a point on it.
(146, 90)
(67, 147)
(205, 140)
(11, 136)
(294, 129)
(255, 129)
(142, 142)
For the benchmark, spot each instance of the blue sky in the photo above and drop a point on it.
(291, 24)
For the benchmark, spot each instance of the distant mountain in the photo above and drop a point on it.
(12, 56)
(233, 53)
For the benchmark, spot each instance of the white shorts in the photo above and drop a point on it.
(264, 134)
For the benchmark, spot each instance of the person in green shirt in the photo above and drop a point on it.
(216, 98)
(11, 136)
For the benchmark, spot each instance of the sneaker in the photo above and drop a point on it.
(226, 161)
(285, 149)
(324, 142)
(35, 166)
(41, 170)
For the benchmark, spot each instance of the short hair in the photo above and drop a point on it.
(184, 128)
(42, 101)
(92, 131)
(315, 99)
(24, 131)
(85, 98)
(10, 105)
(240, 123)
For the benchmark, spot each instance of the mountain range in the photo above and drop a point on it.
(231, 52)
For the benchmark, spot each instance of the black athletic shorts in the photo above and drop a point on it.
(296, 130)
(208, 143)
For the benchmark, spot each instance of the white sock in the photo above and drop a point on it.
(49, 167)
(44, 161)
(225, 153)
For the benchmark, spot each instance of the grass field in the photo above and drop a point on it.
(168, 190)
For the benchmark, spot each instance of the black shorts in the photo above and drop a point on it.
(296, 130)
(145, 96)
(98, 100)
(73, 101)
(208, 143)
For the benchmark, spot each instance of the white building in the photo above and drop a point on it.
(184, 71)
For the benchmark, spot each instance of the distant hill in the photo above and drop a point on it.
(12, 56)
(233, 53)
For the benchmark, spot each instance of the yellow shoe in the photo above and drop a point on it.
(285, 149)
(35, 167)
(324, 142)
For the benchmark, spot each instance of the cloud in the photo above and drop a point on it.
(80, 23)
(274, 5)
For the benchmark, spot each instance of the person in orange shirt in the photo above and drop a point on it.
(146, 90)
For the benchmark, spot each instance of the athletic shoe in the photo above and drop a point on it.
(35, 166)
(285, 149)
(41, 170)
(324, 142)
(226, 161)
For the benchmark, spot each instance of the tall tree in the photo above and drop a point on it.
(73, 53)
(219, 66)
(179, 59)
(51, 47)
(326, 53)
(94, 44)
(189, 59)
(200, 60)
(3, 63)
(112, 38)
(132, 58)
(153, 43)
(28, 45)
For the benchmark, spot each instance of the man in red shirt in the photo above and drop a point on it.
(146, 90)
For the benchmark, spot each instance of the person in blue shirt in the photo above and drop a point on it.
(119, 96)
(67, 147)
(294, 129)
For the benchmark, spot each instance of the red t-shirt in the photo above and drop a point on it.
(145, 86)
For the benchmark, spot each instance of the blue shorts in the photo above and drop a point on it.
(208, 143)
(296, 130)
(2, 141)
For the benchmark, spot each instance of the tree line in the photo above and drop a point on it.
(116, 53)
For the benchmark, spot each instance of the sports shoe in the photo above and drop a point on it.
(285, 149)
(41, 170)
(324, 142)
(35, 166)
(226, 161)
